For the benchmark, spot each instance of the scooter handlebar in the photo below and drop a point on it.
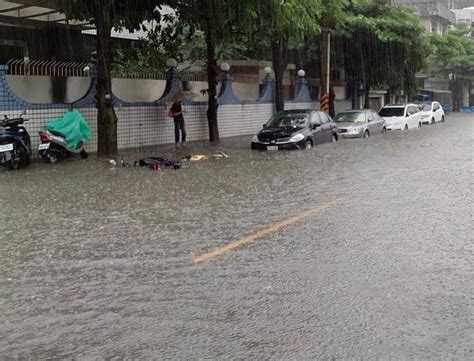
(14, 121)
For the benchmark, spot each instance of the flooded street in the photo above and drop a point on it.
(100, 262)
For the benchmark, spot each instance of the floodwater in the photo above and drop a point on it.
(99, 262)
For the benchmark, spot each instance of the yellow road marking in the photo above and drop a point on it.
(262, 233)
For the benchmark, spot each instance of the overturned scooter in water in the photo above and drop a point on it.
(15, 144)
(64, 137)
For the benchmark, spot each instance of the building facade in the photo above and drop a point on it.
(434, 14)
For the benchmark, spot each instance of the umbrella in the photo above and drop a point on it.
(182, 95)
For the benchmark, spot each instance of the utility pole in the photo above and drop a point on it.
(325, 67)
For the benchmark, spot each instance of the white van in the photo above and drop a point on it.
(401, 116)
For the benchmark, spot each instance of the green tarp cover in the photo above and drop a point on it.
(73, 126)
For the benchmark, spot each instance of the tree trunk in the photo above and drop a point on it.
(279, 65)
(366, 97)
(332, 104)
(106, 117)
(457, 88)
(212, 84)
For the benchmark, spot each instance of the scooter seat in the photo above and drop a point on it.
(56, 133)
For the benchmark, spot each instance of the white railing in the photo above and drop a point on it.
(47, 68)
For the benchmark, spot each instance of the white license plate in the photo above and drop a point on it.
(6, 148)
(272, 147)
(43, 146)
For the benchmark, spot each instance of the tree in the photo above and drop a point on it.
(106, 15)
(453, 58)
(220, 21)
(174, 39)
(284, 23)
(384, 45)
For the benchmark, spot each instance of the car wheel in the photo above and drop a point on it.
(308, 144)
(406, 126)
(83, 154)
(366, 134)
(432, 121)
(442, 119)
(384, 130)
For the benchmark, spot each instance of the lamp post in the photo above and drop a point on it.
(173, 81)
(268, 92)
(267, 70)
(301, 80)
(226, 93)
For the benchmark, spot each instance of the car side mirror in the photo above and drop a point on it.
(408, 114)
(315, 125)
(263, 126)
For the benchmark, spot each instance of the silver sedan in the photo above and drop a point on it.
(359, 123)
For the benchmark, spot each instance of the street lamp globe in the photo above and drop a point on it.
(171, 63)
(301, 73)
(267, 70)
(225, 67)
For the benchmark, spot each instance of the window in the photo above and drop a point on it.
(392, 112)
(288, 119)
(350, 117)
(315, 120)
(324, 118)
(436, 106)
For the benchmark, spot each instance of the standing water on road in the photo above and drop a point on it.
(98, 262)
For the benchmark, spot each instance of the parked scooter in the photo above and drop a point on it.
(64, 138)
(15, 143)
(54, 148)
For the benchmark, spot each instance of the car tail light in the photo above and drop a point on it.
(44, 138)
(5, 141)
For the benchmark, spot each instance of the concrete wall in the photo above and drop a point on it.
(48, 90)
(247, 91)
(143, 124)
(138, 90)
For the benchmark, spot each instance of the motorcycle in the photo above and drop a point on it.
(64, 138)
(15, 143)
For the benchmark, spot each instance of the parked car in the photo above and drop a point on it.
(296, 129)
(401, 116)
(431, 112)
(359, 123)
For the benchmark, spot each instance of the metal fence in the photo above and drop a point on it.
(47, 68)
(139, 74)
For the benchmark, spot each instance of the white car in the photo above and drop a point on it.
(432, 112)
(401, 116)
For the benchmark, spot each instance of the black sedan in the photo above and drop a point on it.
(296, 129)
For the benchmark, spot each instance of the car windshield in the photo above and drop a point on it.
(392, 112)
(425, 107)
(352, 117)
(283, 120)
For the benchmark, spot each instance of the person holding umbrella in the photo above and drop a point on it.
(177, 112)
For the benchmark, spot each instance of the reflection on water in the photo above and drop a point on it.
(96, 262)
